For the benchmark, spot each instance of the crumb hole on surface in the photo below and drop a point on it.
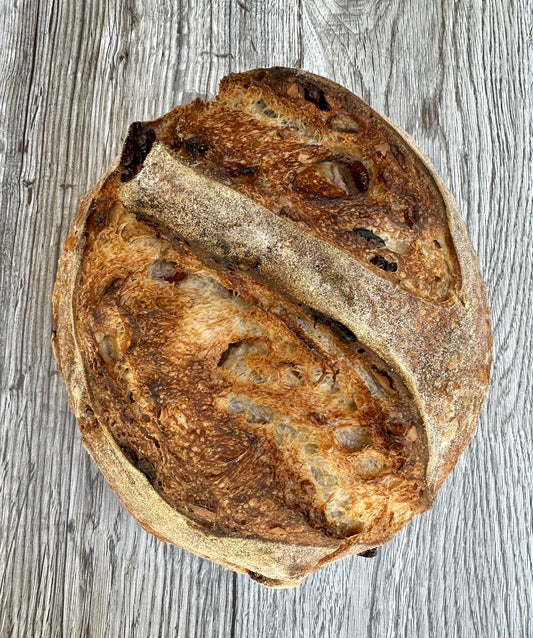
(108, 348)
(371, 466)
(316, 96)
(261, 414)
(166, 271)
(353, 438)
(381, 263)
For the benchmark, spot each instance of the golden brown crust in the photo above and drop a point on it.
(318, 238)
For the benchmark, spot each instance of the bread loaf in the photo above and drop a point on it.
(272, 326)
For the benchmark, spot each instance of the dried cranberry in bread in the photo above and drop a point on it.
(272, 326)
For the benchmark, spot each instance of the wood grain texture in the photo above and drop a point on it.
(457, 75)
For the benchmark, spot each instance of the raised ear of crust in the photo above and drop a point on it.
(190, 210)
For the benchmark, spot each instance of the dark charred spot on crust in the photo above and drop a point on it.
(196, 146)
(370, 237)
(370, 553)
(138, 144)
(380, 262)
(315, 95)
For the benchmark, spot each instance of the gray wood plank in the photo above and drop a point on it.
(458, 77)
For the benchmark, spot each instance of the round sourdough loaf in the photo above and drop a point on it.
(272, 326)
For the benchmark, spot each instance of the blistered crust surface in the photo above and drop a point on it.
(247, 412)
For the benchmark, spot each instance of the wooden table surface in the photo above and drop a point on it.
(456, 74)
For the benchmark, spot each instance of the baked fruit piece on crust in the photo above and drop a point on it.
(272, 326)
